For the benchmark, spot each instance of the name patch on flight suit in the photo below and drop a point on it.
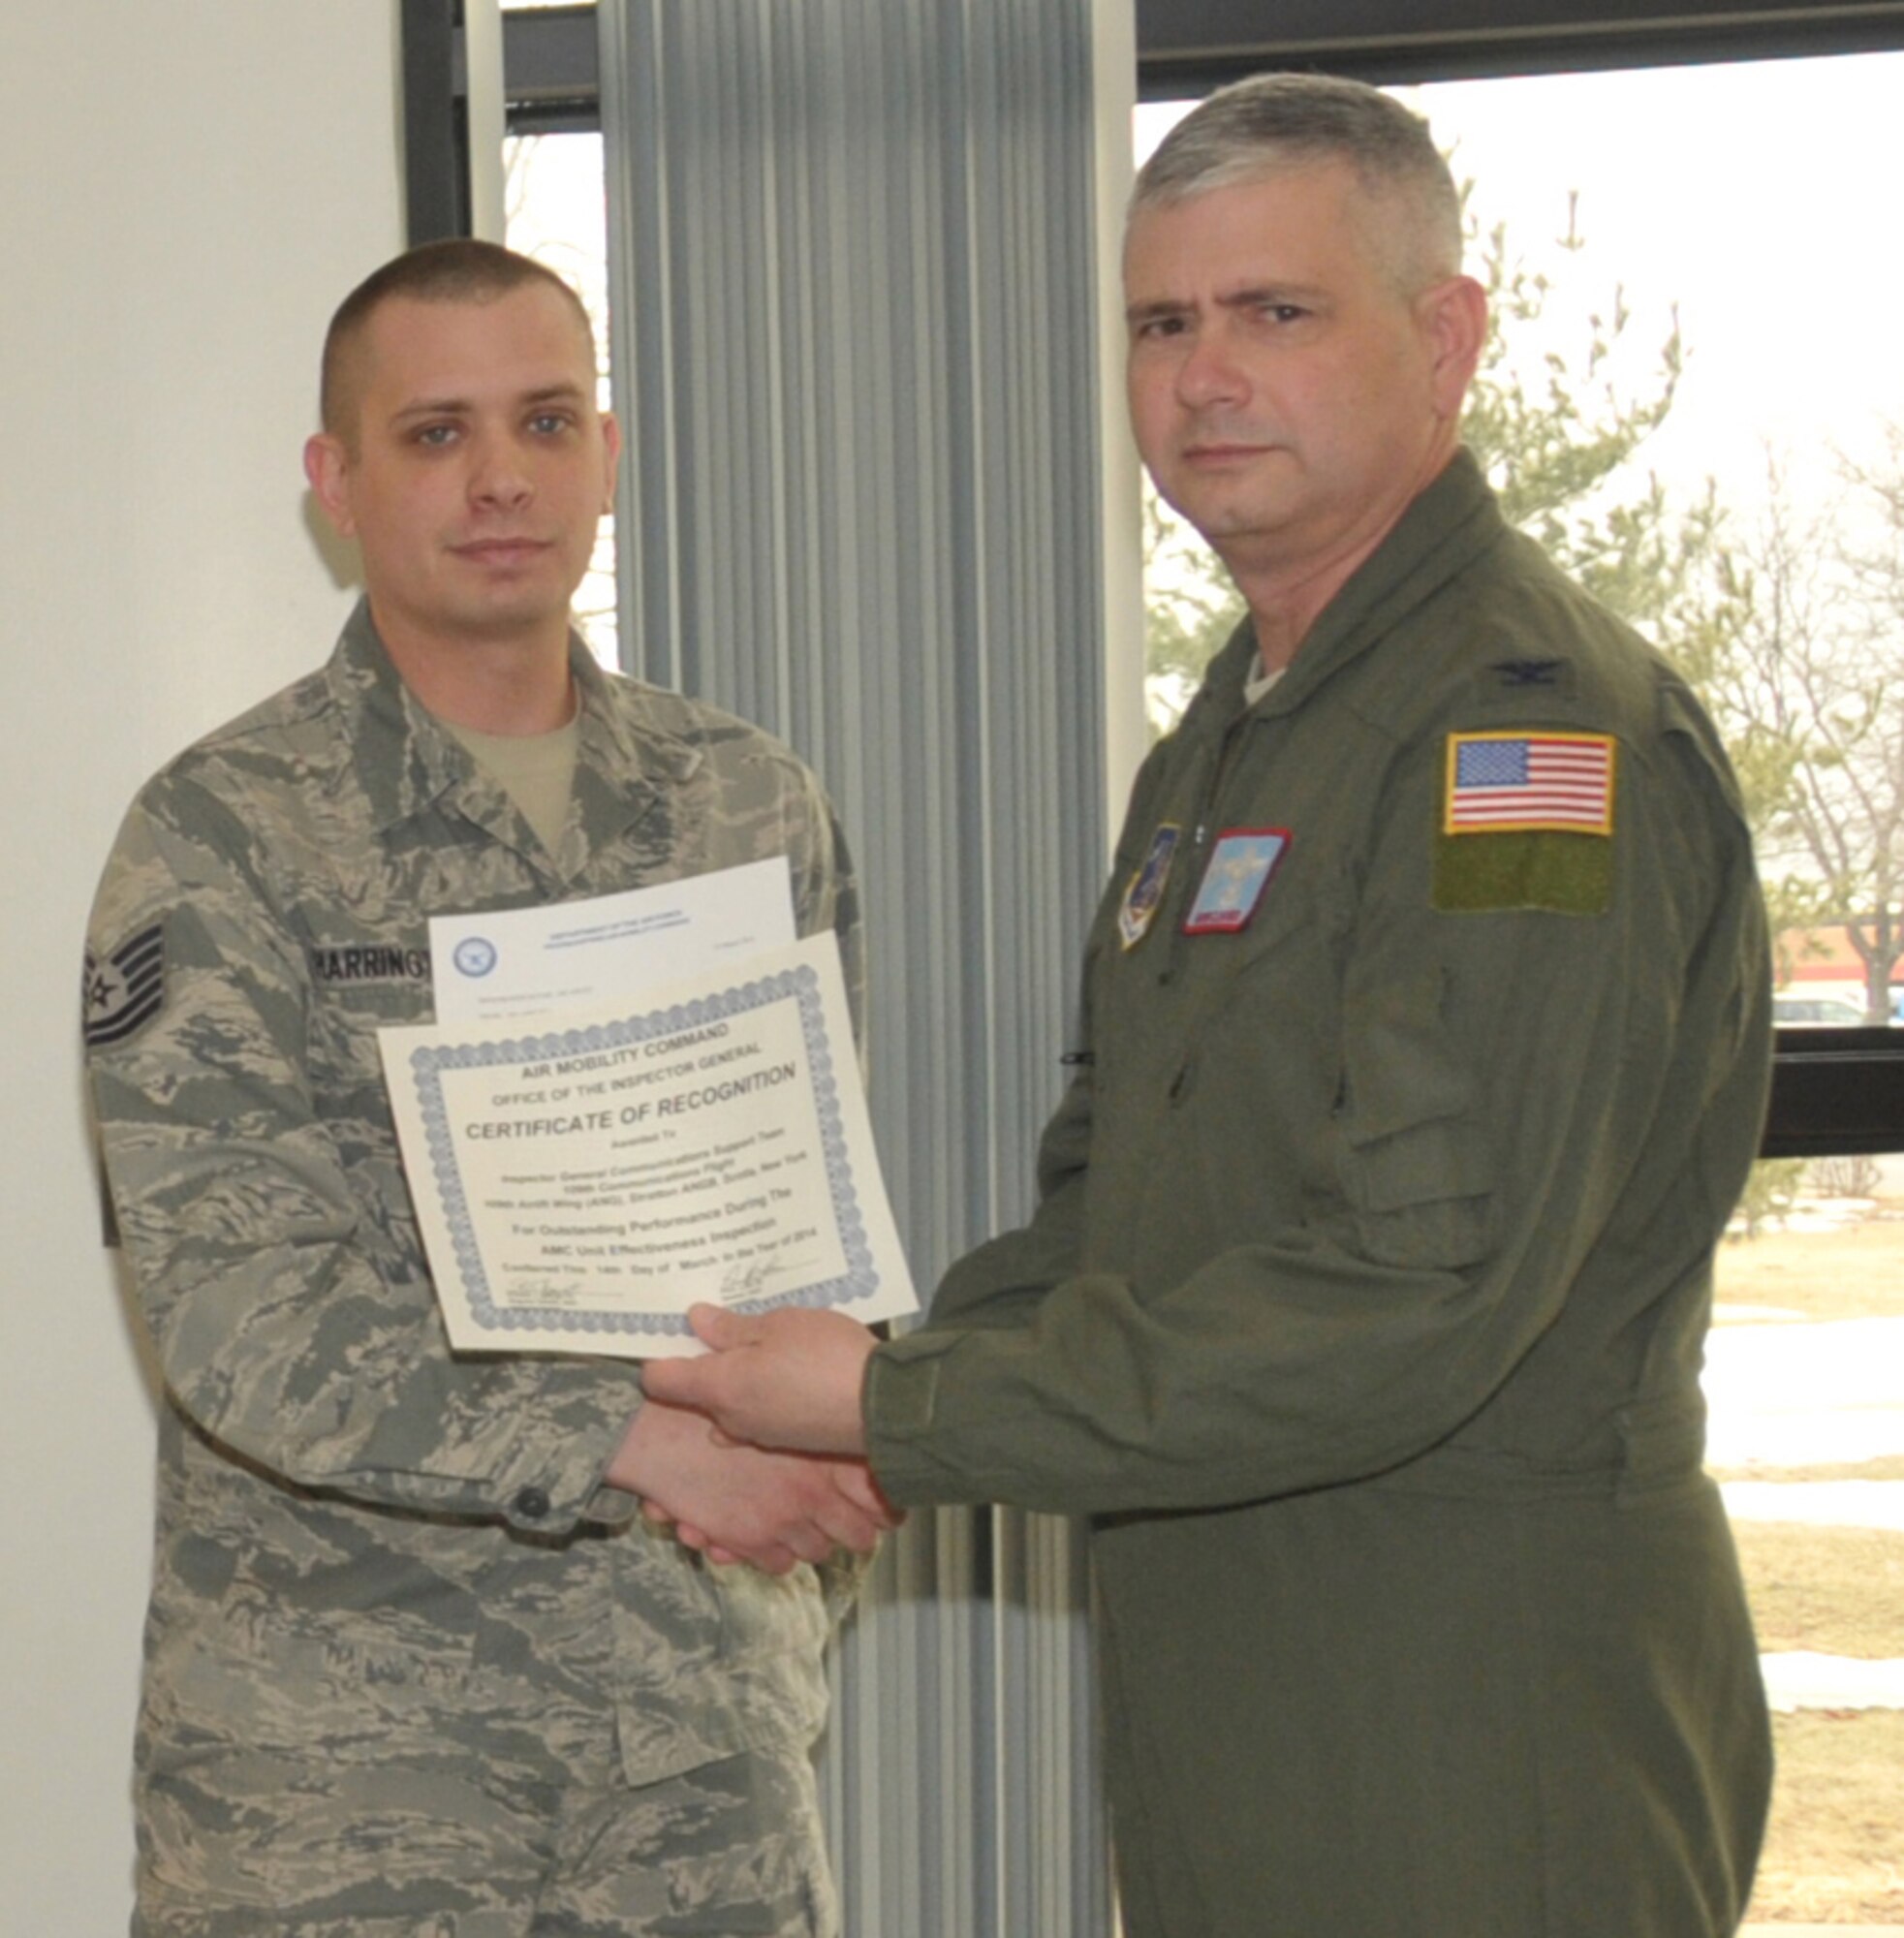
(1146, 889)
(123, 992)
(1241, 864)
(1526, 822)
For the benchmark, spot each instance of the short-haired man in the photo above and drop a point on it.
(1426, 1053)
(414, 1662)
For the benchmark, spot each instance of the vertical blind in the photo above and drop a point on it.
(852, 283)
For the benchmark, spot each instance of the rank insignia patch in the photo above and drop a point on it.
(1146, 890)
(1498, 783)
(1518, 675)
(1241, 864)
(123, 992)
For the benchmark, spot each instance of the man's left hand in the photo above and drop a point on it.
(788, 1379)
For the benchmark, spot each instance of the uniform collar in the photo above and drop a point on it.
(1441, 533)
(627, 758)
(405, 761)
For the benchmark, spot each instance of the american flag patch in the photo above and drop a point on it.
(1498, 783)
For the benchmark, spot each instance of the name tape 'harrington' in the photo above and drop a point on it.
(1501, 782)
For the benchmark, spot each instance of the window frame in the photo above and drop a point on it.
(1189, 47)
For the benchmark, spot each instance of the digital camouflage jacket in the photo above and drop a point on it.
(358, 1530)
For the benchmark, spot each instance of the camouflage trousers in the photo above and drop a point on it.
(267, 1848)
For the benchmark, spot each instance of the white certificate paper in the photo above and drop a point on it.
(582, 1178)
(571, 955)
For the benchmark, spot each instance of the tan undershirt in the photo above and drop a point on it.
(536, 770)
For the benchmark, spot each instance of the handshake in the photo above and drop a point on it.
(755, 1452)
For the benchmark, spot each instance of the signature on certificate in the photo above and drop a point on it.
(747, 1279)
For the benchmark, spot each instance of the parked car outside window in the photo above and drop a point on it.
(1818, 1012)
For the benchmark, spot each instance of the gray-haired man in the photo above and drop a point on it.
(1427, 1043)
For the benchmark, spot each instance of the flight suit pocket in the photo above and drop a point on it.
(1416, 1164)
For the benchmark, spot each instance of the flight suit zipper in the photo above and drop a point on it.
(1185, 889)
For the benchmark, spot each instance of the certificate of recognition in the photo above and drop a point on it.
(581, 1177)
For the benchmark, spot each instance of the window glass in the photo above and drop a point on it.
(1805, 1382)
(1694, 401)
(1691, 402)
(555, 211)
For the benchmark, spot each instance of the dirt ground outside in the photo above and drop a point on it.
(1834, 1851)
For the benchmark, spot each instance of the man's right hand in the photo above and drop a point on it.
(740, 1503)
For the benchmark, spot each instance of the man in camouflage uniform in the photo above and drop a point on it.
(415, 1660)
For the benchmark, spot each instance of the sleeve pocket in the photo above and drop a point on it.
(1416, 1164)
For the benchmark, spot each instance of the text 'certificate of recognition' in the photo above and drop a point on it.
(582, 1178)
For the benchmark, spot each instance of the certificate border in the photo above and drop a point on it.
(802, 983)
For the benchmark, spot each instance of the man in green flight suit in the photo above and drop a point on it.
(415, 1664)
(1425, 1050)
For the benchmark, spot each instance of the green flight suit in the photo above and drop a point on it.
(1363, 1306)
(388, 1584)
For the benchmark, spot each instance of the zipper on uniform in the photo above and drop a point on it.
(1200, 836)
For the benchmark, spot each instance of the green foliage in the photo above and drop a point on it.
(1549, 430)
(1770, 1192)
(1191, 608)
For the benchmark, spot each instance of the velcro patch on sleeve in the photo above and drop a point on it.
(1527, 822)
(1564, 874)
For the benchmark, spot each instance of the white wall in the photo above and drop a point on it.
(190, 189)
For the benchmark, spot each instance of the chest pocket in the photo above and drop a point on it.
(357, 989)
(1417, 1163)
